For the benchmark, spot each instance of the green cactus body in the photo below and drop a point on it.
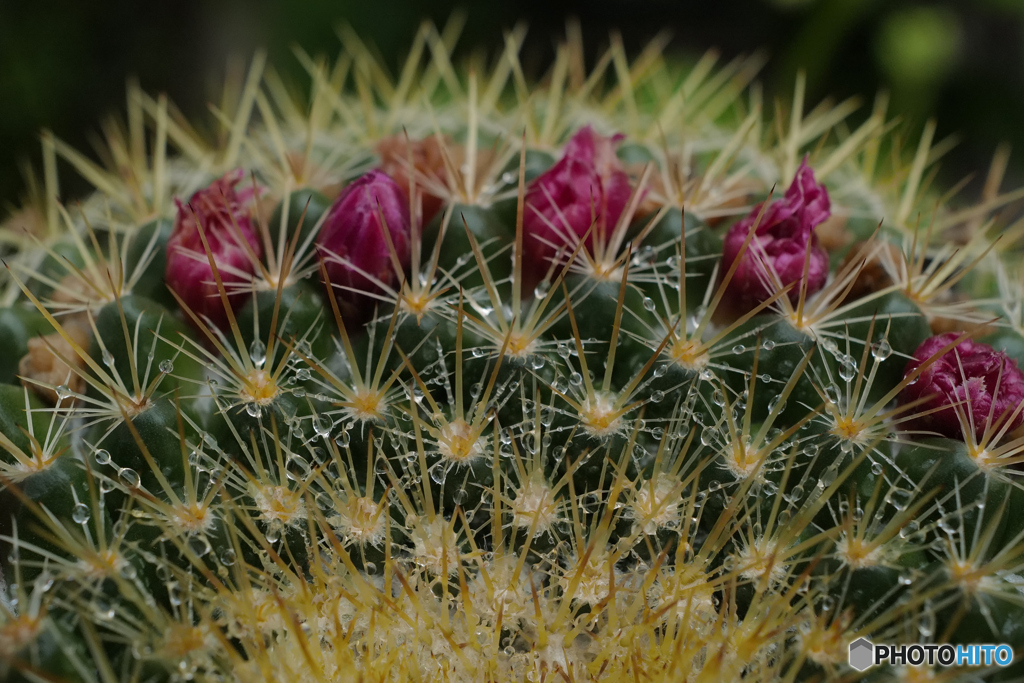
(560, 389)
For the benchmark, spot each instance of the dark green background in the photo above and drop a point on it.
(63, 63)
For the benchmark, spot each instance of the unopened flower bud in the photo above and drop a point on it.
(777, 253)
(225, 215)
(352, 242)
(588, 185)
(985, 385)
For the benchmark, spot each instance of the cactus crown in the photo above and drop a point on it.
(455, 376)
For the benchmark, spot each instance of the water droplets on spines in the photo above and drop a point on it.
(258, 353)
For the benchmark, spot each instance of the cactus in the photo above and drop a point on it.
(458, 376)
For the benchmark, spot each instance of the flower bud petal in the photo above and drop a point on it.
(219, 208)
(780, 240)
(587, 185)
(987, 385)
(356, 254)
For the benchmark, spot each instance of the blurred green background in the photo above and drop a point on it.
(63, 63)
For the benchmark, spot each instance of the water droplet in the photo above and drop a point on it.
(910, 528)
(253, 409)
(63, 392)
(438, 473)
(199, 545)
(541, 290)
(657, 396)
(108, 358)
(129, 477)
(322, 425)
(274, 532)
(227, 558)
(80, 514)
(738, 349)
(776, 404)
(876, 468)
(102, 456)
(537, 362)
(575, 379)
(649, 303)
(303, 374)
(296, 468)
(829, 476)
(166, 366)
(848, 369)
(881, 350)
(768, 345)
(343, 438)
(899, 498)
(258, 353)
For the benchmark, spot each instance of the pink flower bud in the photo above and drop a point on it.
(987, 385)
(219, 208)
(587, 185)
(352, 242)
(780, 241)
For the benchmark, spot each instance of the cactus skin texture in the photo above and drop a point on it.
(402, 438)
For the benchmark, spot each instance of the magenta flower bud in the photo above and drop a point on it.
(780, 241)
(987, 385)
(587, 185)
(218, 208)
(352, 242)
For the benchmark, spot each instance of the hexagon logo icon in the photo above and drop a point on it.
(862, 654)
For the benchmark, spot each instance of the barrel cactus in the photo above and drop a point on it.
(617, 375)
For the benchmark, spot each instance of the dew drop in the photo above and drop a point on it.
(166, 366)
(199, 545)
(102, 456)
(322, 425)
(438, 473)
(108, 358)
(253, 409)
(881, 350)
(899, 498)
(129, 477)
(848, 369)
(80, 514)
(258, 353)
